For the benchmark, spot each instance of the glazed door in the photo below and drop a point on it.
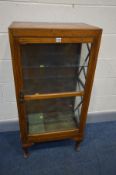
(54, 73)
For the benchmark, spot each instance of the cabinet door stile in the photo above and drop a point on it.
(18, 88)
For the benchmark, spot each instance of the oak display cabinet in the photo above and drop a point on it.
(53, 66)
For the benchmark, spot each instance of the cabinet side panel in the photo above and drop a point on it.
(18, 86)
(89, 79)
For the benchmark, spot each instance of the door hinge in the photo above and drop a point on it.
(21, 97)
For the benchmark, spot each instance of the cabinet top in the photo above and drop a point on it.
(40, 25)
(36, 29)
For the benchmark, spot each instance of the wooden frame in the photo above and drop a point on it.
(23, 33)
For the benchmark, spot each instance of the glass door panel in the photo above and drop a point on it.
(53, 115)
(54, 68)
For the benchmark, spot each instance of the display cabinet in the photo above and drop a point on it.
(53, 66)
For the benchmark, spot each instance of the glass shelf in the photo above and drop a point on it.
(53, 66)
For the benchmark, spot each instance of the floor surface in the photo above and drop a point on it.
(97, 154)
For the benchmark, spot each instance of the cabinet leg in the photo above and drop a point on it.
(25, 152)
(77, 146)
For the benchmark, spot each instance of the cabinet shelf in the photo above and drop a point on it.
(53, 66)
